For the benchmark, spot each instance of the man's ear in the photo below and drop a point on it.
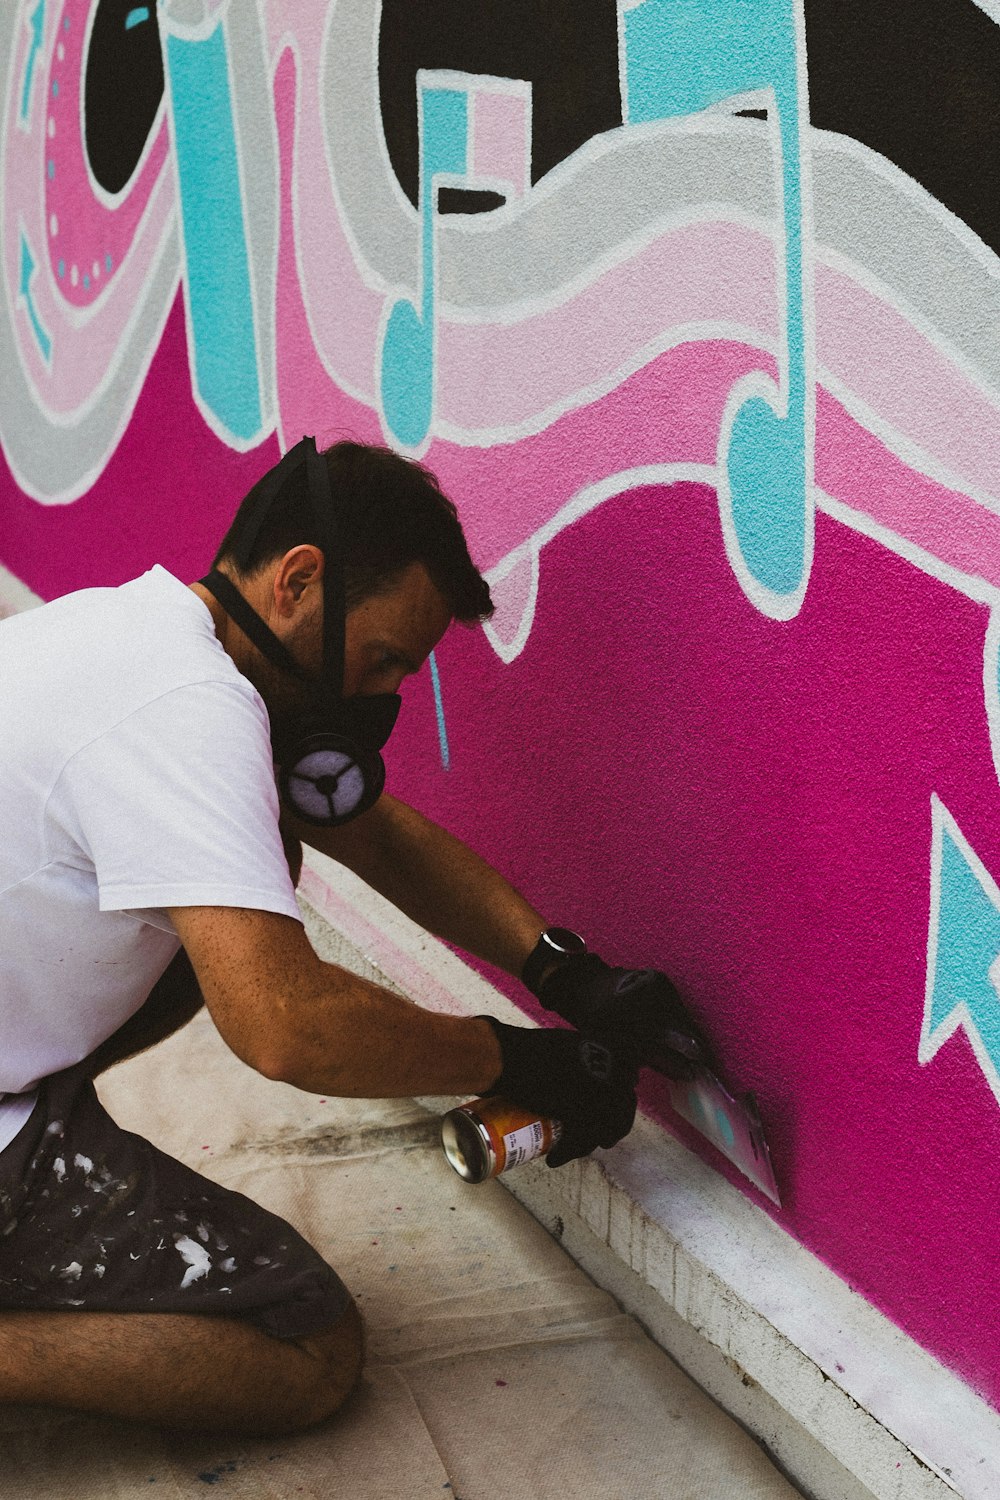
(300, 569)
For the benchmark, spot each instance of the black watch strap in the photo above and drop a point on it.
(554, 946)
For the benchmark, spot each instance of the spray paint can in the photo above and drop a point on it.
(485, 1137)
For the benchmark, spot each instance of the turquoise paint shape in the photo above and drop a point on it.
(724, 1129)
(28, 266)
(710, 1118)
(136, 17)
(439, 711)
(36, 22)
(408, 347)
(220, 304)
(967, 946)
(682, 56)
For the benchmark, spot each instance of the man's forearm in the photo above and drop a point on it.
(354, 1039)
(435, 879)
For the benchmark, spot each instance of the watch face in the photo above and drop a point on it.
(562, 940)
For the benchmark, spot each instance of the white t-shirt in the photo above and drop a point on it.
(135, 774)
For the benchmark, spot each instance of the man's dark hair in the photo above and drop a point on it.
(391, 512)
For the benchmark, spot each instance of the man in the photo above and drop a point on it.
(142, 731)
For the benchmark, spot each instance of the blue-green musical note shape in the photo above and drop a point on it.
(36, 24)
(28, 266)
(963, 949)
(407, 372)
(681, 57)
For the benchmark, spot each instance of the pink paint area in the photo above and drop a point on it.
(344, 313)
(691, 283)
(684, 284)
(494, 377)
(308, 399)
(669, 413)
(69, 346)
(501, 138)
(747, 805)
(89, 233)
(855, 468)
(144, 507)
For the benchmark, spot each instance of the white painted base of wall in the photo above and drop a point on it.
(847, 1405)
(14, 595)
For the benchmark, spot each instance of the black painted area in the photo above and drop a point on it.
(123, 86)
(566, 49)
(918, 81)
(452, 200)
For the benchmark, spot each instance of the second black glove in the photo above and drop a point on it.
(641, 1005)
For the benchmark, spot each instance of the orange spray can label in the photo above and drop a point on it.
(485, 1137)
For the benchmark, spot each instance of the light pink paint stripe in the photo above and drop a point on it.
(900, 374)
(344, 313)
(503, 375)
(669, 412)
(500, 138)
(854, 467)
(403, 967)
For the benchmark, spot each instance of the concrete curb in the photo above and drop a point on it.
(846, 1404)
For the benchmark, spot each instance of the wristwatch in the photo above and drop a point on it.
(554, 945)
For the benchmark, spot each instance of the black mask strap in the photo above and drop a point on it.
(256, 508)
(334, 595)
(258, 502)
(251, 624)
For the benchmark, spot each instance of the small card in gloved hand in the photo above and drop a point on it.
(732, 1125)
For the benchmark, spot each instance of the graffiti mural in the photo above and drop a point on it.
(691, 306)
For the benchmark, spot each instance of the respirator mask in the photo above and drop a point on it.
(329, 766)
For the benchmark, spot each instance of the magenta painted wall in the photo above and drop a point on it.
(737, 722)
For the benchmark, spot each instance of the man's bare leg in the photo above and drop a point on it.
(200, 1374)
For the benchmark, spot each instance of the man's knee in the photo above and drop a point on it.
(339, 1353)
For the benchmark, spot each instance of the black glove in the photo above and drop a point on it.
(641, 1005)
(585, 1082)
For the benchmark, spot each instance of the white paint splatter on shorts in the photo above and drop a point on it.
(196, 1257)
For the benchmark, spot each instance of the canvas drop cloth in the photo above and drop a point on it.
(497, 1370)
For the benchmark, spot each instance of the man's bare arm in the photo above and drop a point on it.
(435, 879)
(294, 1018)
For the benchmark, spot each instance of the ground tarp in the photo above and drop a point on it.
(496, 1369)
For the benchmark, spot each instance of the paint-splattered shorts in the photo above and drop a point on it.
(95, 1218)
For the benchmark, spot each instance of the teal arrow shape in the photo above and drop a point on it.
(963, 949)
(24, 294)
(37, 23)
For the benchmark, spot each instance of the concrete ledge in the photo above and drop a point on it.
(847, 1404)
